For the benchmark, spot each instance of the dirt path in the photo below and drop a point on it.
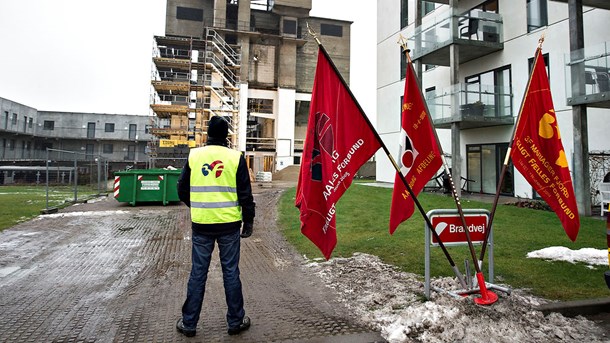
(108, 272)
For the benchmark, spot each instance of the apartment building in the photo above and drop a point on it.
(26, 133)
(251, 62)
(473, 59)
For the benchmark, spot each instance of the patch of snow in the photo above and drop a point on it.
(81, 214)
(589, 256)
(393, 302)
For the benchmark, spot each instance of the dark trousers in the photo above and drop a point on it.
(203, 246)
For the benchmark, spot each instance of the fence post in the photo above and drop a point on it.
(47, 179)
(75, 179)
(99, 172)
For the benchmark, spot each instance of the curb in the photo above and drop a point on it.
(578, 307)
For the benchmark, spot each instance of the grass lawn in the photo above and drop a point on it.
(21, 203)
(362, 221)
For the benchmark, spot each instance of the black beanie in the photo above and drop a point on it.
(218, 128)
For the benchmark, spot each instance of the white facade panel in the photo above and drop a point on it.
(285, 127)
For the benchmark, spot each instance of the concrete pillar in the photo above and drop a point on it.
(417, 65)
(581, 176)
(454, 68)
(287, 61)
(243, 15)
(243, 116)
(220, 13)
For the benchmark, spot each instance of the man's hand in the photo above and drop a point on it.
(246, 230)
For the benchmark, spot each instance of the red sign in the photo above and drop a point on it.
(450, 230)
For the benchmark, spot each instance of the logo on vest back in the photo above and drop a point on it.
(218, 165)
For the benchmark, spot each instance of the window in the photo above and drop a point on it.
(492, 89)
(109, 127)
(429, 67)
(430, 98)
(188, 13)
(483, 165)
(131, 152)
(48, 125)
(5, 120)
(403, 64)
(108, 148)
(89, 151)
(290, 27)
(331, 30)
(25, 123)
(14, 120)
(132, 131)
(427, 7)
(31, 123)
(11, 144)
(530, 64)
(90, 130)
(404, 13)
(537, 14)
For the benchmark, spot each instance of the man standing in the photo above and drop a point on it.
(215, 184)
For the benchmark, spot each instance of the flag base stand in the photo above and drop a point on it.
(487, 297)
(461, 293)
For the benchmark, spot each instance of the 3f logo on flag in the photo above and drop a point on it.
(325, 141)
(546, 129)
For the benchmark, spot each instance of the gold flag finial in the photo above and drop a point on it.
(403, 42)
(313, 33)
(541, 40)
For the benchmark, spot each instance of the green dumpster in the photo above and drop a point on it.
(146, 185)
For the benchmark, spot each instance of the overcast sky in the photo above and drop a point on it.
(95, 56)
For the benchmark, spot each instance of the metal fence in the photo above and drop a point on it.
(68, 176)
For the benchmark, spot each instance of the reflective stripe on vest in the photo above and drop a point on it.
(214, 185)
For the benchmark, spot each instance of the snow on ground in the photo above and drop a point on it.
(393, 302)
(585, 255)
(81, 214)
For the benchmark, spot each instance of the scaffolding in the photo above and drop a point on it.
(193, 80)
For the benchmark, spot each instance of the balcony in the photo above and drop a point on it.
(587, 76)
(478, 32)
(484, 106)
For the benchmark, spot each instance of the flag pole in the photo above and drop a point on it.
(387, 152)
(487, 297)
(507, 158)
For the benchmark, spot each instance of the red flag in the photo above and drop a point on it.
(419, 156)
(538, 152)
(339, 140)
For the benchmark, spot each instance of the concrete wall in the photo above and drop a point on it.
(10, 109)
(187, 28)
(307, 55)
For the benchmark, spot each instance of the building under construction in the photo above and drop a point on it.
(251, 62)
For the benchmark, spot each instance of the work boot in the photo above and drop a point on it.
(245, 325)
(187, 332)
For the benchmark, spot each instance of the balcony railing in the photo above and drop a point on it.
(587, 74)
(475, 28)
(479, 106)
(260, 143)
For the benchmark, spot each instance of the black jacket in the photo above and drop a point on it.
(244, 196)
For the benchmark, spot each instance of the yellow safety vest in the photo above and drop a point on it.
(213, 185)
